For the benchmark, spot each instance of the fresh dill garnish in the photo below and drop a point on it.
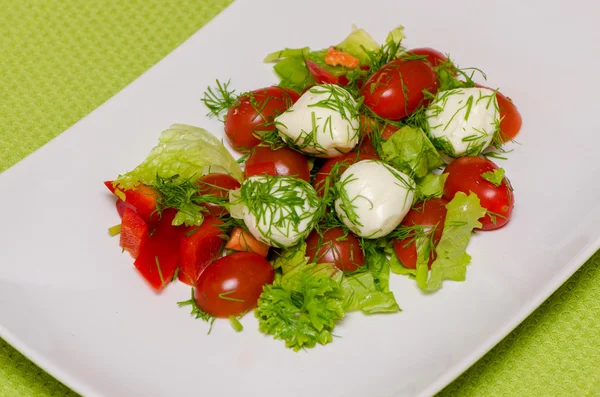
(235, 324)
(114, 230)
(219, 99)
(196, 311)
(225, 296)
(162, 280)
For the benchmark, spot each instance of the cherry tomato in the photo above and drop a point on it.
(337, 247)
(253, 113)
(348, 159)
(430, 213)
(232, 284)
(287, 162)
(217, 185)
(510, 118)
(368, 128)
(396, 90)
(322, 76)
(434, 57)
(464, 175)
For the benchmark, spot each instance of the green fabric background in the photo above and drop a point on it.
(60, 59)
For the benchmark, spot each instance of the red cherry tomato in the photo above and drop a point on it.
(198, 248)
(434, 57)
(348, 159)
(337, 247)
(396, 90)
(254, 113)
(287, 162)
(427, 213)
(464, 175)
(510, 118)
(232, 284)
(217, 185)
(322, 76)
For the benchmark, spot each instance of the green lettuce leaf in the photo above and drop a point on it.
(359, 43)
(452, 259)
(430, 186)
(182, 150)
(409, 150)
(302, 306)
(293, 73)
(496, 177)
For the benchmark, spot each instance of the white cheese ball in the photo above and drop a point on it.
(463, 121)
(277, 210)
(323, 122)
(373, 198)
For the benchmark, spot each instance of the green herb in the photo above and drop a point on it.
(235, 324)
(196, 311)
(114, 230)
(219, 99)
(162, 280)
(225, 296)
(496, 177)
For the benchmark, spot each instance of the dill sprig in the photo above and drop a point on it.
(219, 99)
(196, 311)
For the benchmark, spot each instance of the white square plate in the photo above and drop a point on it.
(75, 305)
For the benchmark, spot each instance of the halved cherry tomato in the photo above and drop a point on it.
(253, 113)
(465, 175)
(323, 76)
(510, 118)
(159, 255)
(134, 231)
(241, 240)
(287, 162)
(430, 213)
(232, 284)
(142, 198)
(337, 247)
(217, 185)
(396, 90)
(199, 247)
(347, 160)
(434, 57)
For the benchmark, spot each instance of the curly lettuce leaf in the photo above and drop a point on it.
(182, 150)
(409, 150)
(302, 306)
(452, 259)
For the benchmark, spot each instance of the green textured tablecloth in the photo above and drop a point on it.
(61, 59)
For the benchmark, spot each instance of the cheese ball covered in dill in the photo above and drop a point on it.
(278, 210)
(323, 122)
(373, 198)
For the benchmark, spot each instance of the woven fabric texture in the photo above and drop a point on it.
(61, 59)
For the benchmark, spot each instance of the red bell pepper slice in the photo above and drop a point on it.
(199, 247)
(134, 232)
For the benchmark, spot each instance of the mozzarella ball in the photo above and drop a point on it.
(463, 121)
(373, 198)
(278, 210)
(323, 122)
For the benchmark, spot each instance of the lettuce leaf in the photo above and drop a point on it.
(430, 186)
(302, 306)
(182, 150)
(452, 259)
(358, 43)
(410, 151)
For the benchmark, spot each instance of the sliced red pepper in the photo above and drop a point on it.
(199, 247)
(261, 169)
(241, 240)
(134, 232)
(122, 205)
(142, 198)
(159, 255)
